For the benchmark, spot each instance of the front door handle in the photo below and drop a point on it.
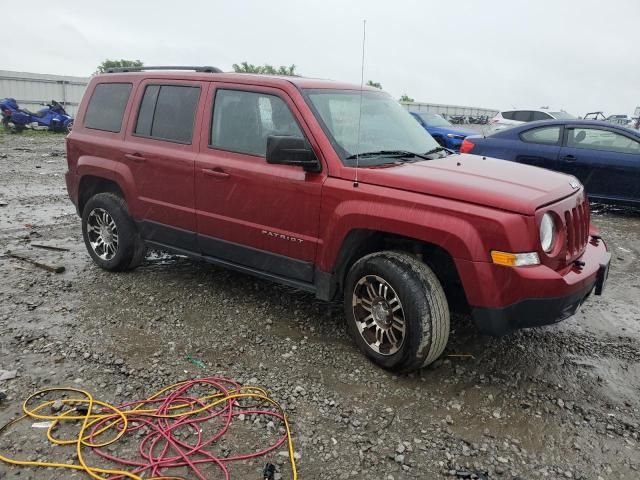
(215, 172)
(568, 158)
(136, 157)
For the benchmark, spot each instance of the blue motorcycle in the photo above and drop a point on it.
(53, 117)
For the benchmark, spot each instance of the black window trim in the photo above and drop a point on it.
(259, 92)
(565, 136)
(558, 143)
(84, 119)
(162, 139)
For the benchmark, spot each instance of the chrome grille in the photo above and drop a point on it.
(577, 224)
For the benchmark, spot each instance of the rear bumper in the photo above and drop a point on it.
(562, 297)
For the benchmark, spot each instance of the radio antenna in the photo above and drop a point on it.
(364, 37)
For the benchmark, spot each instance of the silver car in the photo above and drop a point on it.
(511, 118)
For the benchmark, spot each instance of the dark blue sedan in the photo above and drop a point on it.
(603, 156)
(441, 130)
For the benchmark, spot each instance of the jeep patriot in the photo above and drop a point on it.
(333, 189)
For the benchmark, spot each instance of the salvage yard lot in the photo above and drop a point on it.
(556, 402)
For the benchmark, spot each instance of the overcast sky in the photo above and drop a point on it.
(578, 55)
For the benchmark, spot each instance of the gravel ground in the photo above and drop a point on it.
(556, 402)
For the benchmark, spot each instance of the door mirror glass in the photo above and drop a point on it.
(287, 150)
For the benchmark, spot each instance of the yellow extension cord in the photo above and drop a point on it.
(89, 419)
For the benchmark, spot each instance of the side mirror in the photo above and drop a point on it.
(285, 150)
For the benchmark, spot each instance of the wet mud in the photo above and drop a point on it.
(556, 402)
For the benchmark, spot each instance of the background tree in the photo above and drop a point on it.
(107, 64)
(406, 98)
(266, 69)
(371, 83)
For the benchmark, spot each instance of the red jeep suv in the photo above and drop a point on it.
(333, 189)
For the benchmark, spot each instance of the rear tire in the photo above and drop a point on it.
(109, 233)
(396, 310)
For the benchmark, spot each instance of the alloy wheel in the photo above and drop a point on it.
(378, 314)
(103, 234)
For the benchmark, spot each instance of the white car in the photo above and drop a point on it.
(511, 118)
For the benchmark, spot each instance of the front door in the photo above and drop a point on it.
(161, 148)
(251, 213)
(605, 160)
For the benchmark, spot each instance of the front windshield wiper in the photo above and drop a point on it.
(439, 149)
(389, 153)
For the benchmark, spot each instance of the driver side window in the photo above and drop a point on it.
(605, 140)
(242, 121)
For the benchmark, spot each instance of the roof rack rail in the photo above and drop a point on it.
(141, 69)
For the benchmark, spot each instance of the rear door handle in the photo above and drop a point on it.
(215, 172)
(568, 158)
(136, 157)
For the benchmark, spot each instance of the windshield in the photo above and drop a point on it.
(562, 116)
(434, 120)
(384, 127)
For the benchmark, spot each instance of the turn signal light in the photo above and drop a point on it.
(514, 259)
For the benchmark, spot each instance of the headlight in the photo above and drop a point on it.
(547, 232)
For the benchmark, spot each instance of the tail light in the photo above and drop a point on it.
(467, 146)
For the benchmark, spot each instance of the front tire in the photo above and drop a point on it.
(396, 310)
(109, 233)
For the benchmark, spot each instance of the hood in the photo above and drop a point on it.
(495, 183)
(453, 130)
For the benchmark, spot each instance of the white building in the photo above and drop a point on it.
(32, 90)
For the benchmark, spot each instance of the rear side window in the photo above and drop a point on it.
(242, 121)
(540, 116)
(522, 115)
(167, 112)
(544, 135)
(106, 106)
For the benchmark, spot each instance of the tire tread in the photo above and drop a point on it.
(435, 322)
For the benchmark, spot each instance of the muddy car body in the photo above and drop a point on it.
(332, 190)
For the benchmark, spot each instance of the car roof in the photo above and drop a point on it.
(247, 78)
(587, 123)
(538, 109)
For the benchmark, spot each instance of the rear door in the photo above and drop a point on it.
(605, 160)
(161, 147)
(540, 146)
(258, 215)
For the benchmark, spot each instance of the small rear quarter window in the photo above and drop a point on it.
(106, 106)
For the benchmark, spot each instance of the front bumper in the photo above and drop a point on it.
(545, 310)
